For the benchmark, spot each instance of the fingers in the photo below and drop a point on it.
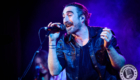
(105, 38)
(49, 24)
(53, 24)
(106, 34)
(106, 29)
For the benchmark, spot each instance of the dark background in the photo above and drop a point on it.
(21, 20)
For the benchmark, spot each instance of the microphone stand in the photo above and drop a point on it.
(29, 65)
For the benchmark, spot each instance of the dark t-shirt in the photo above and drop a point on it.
(86, 68)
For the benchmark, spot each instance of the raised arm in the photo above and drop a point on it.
(53, 62)
(117, 60)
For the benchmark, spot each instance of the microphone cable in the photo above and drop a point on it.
(45, 28)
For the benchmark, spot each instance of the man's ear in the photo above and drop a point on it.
(82, 18)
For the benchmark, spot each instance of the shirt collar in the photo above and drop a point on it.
(92, 34)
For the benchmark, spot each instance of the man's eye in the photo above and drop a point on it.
(69, 15)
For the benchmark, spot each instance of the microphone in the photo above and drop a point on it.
(54, 29)
(37, 68)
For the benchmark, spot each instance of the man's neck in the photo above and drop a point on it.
(82, 36)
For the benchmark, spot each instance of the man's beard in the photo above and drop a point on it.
(73, 28)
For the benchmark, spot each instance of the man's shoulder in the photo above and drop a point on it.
(98, 29)
(95, 28)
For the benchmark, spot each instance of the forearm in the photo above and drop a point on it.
(117, 60)
(53, 63)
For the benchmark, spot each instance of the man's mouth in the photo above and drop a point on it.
(68, 28)
(68, 24)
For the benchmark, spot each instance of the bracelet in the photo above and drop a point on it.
(52, 48)
(52, 45)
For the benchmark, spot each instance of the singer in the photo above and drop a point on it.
(87, 53)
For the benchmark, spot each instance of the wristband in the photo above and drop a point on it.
(52, 46)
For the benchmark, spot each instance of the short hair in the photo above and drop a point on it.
(82, 10)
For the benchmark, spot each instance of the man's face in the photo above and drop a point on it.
(39, 63)
(71, 19)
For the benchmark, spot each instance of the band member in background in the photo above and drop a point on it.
(87, 53)
(41, 67)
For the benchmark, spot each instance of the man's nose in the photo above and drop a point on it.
(66, 19)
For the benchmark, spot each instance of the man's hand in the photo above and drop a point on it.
(117, 60)
(106, 35)
(54, 36)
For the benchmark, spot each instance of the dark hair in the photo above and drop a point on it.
(43, 55)
(82, 10)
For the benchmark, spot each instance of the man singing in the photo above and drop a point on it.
(87, 53)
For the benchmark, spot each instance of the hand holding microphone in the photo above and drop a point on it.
(54, 30)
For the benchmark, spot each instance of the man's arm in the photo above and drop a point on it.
(117, 60)
(53, 62)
